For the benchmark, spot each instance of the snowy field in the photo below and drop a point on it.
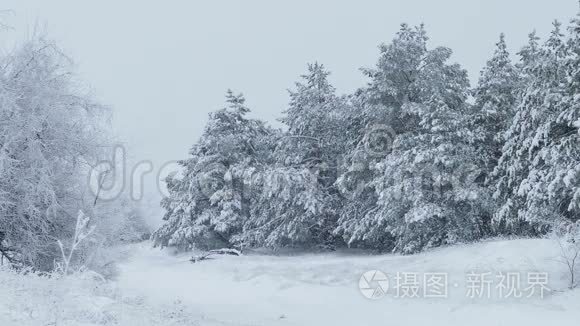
(156, 288)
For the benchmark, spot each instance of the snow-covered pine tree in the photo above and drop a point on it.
(298, 200)
(376, 111)
(362, 119)
(537, 173)
(528, 54)
(567, 133)
(208, 204)
(496, 97)
(312, 119)
(425, 197)
(553, 186)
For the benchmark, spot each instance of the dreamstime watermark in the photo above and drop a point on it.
(109, 179)
(378, 140)
(375, 284)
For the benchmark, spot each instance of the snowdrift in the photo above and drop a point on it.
(157, 288)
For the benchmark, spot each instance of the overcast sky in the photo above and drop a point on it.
(163, 65)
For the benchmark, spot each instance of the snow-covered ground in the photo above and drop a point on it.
(323, 289)
(157, 288)
(83, 299)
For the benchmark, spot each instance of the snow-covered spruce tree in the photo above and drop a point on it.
(426, 194)
(50, 132)
(207, 206)
(538, 172)
(528, 56)
(496, 97)
(376, 111)
(298, 201)
(368, 138)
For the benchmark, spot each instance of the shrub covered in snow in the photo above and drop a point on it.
(30, 298)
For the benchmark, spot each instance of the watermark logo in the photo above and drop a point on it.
(212, 179)
(373, 284)
(355, 175)
(111, 178)
(378, 140)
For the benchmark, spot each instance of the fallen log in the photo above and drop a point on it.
(223, 251)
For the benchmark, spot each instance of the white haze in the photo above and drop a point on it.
(163, 66)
